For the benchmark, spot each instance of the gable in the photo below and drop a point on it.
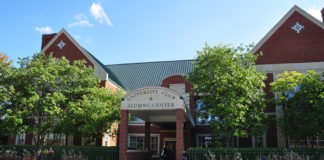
(70, 51)
(285, 45)
(73, 51)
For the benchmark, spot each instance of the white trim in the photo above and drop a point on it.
(301, 67)
(283, 20)
(152, 88)
(138, 123)
(100, 72)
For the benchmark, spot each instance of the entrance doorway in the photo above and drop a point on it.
(170, 143)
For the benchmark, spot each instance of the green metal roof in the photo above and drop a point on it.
(132, 76)
(111, 76)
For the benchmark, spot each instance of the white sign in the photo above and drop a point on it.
(152, 98)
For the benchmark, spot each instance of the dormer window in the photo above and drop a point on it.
(297, 27)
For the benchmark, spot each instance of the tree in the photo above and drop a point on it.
(302, 99)
(5, 62)
(50, 95)
(231, 90)
(4, 58)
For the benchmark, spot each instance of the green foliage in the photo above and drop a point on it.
(4, 58)
(50, 95)
(231, 90)
(33, 152)
(255, 153)
(302, 100)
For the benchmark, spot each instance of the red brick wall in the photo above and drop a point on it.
(269, 94)
(123, 135)
(180, 79)
(70, 51)
(46, 38)
(147, 135)
(287, 46)
(29, 139)
(11, 140)
(141, 129)
(176, 79)
(179, 133)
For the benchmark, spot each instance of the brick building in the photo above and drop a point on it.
(159, 98)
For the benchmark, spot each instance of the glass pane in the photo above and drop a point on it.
(132, 146)
(154, 139)
(154, 146)
(155, 152)
(140, 146)
(140, 139)
(132, 139)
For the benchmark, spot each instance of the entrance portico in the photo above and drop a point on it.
(154, 105)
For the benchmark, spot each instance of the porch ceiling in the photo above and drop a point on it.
(155, 115)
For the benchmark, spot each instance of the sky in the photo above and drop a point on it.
(128, 31)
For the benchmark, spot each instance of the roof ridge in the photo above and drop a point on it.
(150, 62)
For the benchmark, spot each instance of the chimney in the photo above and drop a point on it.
(322, 11)
(46, 38)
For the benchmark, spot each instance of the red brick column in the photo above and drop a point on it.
(188, 134)
(147, 140)
(179, 133)
(123, 135)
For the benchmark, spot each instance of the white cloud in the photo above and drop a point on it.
(99, 14)
(81, 21)
(78, 37)
(316, 12)
(46, 29)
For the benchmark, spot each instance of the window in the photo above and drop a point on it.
(107, 139)
(259, 141)
(204, 141)
(207, 140)
(55, 139)
(136, 142)
(155, 145)
(20, 139)
(312, 142)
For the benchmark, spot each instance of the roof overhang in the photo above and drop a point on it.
(156, 104)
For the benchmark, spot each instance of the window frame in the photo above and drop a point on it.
(318, 142)
(198, 138)
(264, 140)
(143, 135)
